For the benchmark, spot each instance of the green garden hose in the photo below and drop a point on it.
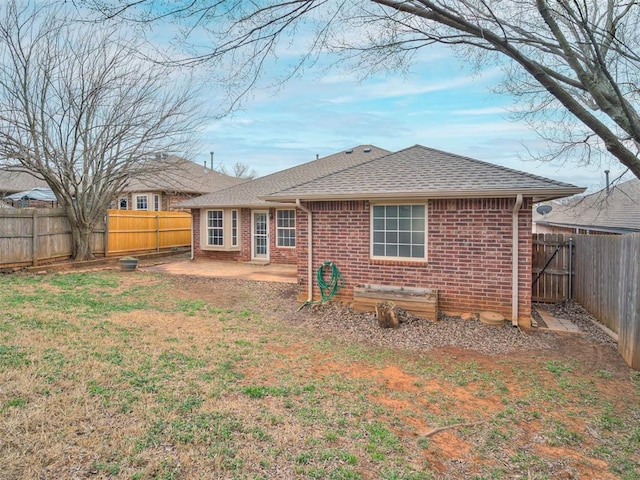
(328, 288)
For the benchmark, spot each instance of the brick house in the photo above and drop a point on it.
(236, 224)
(415, 218)
(177, 180)
(181, 180)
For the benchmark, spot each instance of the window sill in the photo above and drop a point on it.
(417, 262)
(212, 248)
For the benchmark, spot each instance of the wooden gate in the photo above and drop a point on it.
(551, 268)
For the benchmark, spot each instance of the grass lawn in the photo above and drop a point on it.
(140, 376)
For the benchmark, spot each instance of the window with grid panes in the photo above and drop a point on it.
(398, 231)
(286, 228)
(215, 230)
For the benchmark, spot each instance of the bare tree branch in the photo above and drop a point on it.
(79, 109)
(579, 58)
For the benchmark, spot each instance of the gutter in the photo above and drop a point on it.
(537, 194)
(514, 261)
(309, 249)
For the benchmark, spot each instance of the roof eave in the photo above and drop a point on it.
(597, 228)
(538, 195)
(235, 205)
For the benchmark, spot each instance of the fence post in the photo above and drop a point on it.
(570, 268)
(34, 237)
(106, 234)
(157, 232)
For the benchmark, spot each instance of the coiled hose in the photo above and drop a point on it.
(328, 288)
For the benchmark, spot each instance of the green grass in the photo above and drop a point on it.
(132, 377)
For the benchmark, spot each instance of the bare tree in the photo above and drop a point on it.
(574, 64)
(239, 170)
(80, 110)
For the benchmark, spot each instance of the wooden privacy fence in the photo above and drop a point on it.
(551, 268)
(32, 236)
(136, 231)
(607, 284)
(29, 237)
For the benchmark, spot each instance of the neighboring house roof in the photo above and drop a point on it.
(615, 212)
(248, 194)
(42, 194)
(185, 176)
(18, 181)
(421, 172)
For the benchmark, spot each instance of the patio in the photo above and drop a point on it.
(221, 269)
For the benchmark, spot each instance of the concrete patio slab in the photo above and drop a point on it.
(222, 269)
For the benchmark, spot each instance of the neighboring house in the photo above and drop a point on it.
(180, 181)
(236, 224)
(613, 210)
(415, 218)
(39, 197)
(14, 182)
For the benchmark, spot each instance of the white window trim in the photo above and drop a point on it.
(134, 202)
(226, 230)
(400, 259)
(234, 239)
(295, 228)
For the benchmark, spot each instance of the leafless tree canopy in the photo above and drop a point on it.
(79, 109)
(573, 64)
(239, 170)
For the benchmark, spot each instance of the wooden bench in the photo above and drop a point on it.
(422, 302)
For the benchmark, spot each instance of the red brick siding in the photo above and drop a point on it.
(276, 254)
(469, 246)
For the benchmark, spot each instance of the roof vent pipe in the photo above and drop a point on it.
(317, 156)
(606, 176)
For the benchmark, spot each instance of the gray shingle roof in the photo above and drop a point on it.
(619, 211)
(424, 172)
(12, 182)
(182, 175)
(247, 194)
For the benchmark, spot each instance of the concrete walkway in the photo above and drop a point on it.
(221, 269)
(557, 324)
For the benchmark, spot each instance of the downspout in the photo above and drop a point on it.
(193, 240)
(514, 261)
(309, 250)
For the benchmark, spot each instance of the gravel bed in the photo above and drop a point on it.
(414, 333)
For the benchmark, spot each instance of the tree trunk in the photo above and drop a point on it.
(387, 315)
(81, 243)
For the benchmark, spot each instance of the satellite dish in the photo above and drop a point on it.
(544, 209)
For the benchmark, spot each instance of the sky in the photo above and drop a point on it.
(439, 103)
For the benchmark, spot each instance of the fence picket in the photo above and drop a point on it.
(607, 284)
(29, 237)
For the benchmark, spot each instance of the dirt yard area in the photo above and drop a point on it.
(145, 375)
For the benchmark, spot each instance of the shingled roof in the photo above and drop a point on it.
(617, 211)
(185, 176)
(248, 194)
(421, 172)
(12, 182)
